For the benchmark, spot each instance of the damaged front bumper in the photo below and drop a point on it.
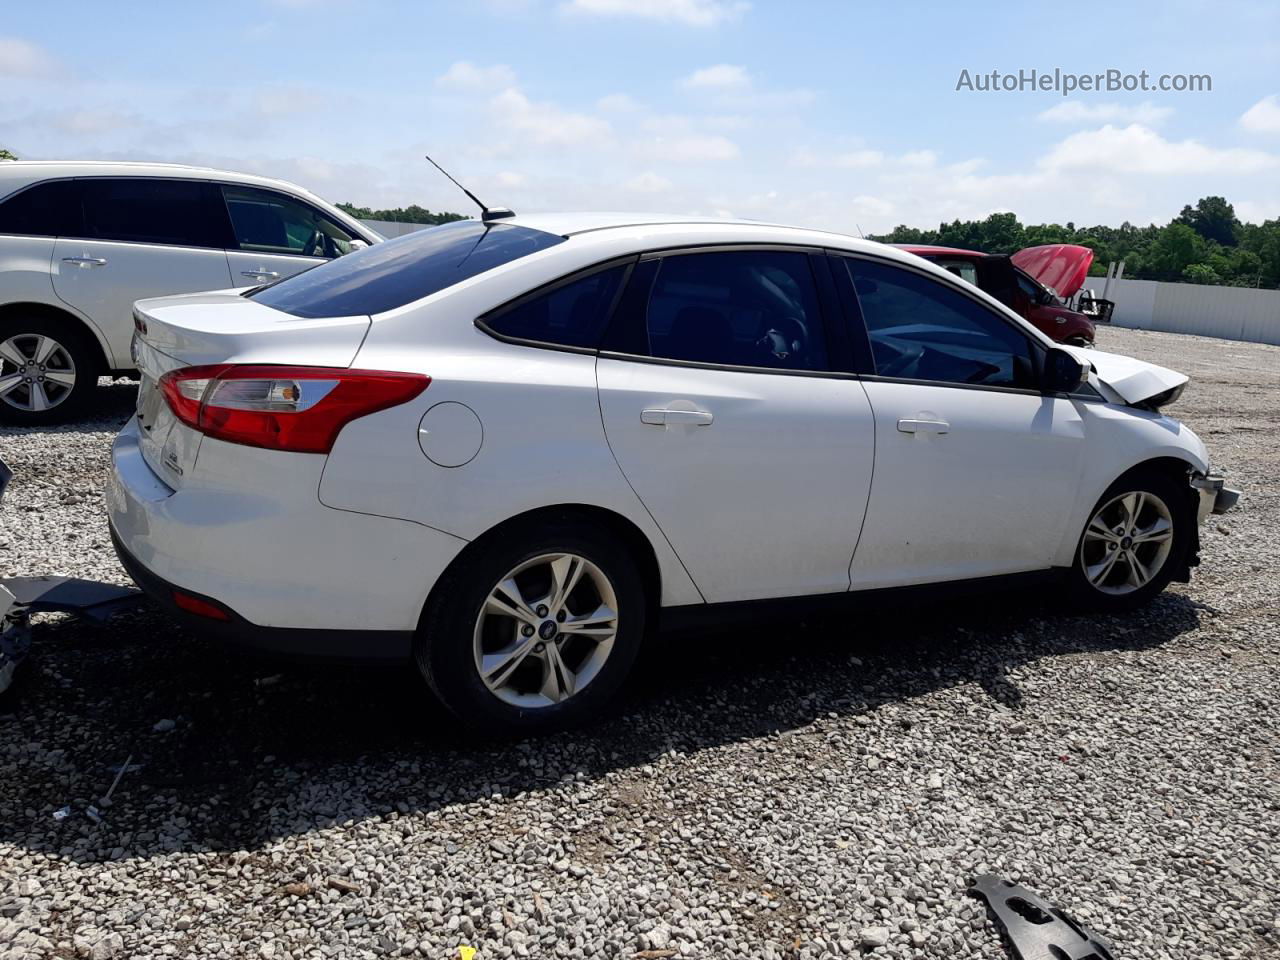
(1214, 495)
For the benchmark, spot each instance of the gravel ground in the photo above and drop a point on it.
(812, 790)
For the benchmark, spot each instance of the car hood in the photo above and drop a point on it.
(1062, 267)
(1134, 380)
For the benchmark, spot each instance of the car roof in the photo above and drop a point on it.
(654, 230)
(14, 173)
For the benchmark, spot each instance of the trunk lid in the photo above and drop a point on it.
(1062, 267)
(220, 327)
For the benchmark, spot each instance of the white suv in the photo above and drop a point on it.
(81, 241)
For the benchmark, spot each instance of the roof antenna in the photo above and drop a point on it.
(486, 213)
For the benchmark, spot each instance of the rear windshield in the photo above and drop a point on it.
(389, 275)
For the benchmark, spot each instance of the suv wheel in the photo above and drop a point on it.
(535, 630)
(48, 370)
(1136, 539)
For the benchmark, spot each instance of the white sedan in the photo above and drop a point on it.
(509, 449)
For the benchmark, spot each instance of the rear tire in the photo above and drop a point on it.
(49, 370)
(509, 652)
(1135, 541)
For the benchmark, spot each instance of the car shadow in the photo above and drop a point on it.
(256, 748)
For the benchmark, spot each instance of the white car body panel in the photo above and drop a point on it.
(731, 488)
(800, 485)
(1013, 459)
(101, 296)
(108, 289)
(1133, 380)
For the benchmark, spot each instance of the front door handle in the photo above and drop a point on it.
(663, 417)
(85, 262)
(259, 274)
(923, 426)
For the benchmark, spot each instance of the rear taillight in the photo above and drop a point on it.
(301, 409)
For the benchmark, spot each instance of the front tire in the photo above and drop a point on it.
(49, 370)
(1137, 538)
(534, 630)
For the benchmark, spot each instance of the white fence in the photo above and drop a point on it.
(1233, 313)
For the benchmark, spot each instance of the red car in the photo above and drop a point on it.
(1033, 282)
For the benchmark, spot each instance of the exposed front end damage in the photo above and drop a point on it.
(1213, 494)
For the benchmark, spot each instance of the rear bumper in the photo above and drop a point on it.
(247, 532)
(388, 646)
(1214, 496)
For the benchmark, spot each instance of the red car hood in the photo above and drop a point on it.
(1060, 266)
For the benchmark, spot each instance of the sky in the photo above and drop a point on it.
(839, 115)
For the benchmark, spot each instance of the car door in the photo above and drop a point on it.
(722, 410)
(139, 237)
(276, 235)
(976, 469)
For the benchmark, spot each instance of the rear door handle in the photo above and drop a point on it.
(259, 274)
(86, 261)
(662, 417)
(923, 426)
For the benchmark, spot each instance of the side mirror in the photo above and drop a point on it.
(1063, 372)
(357, 244)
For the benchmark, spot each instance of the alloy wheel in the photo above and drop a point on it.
(545, 630)
(36, 372)
(1127, 543)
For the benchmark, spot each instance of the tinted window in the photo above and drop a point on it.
(391, 274)
(572, 314)
(753, 308)
(921, 329)
(268, 222)
(177, 212)
(46, 210)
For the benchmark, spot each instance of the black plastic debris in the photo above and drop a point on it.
(85, 598)
(1034, 928)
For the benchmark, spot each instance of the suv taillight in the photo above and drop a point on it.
(300, 409)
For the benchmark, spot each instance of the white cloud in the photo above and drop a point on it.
(547, 123)
(721, 77)
(1074, 111)
(18, 58)
(859, 159)
(693, 13)
(1263, 116)
(93, 122)
(1139, 149)
(648, 182)
(465, 75)
(618, 103)
(920, 158)
(694, 149)
(282, 101)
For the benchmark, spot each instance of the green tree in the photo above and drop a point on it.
(7, 155)
(1213, 218)
(410, 214)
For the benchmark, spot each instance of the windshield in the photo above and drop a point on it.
(389, 275)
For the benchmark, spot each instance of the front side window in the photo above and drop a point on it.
(390, 274)
(921, 329)
(138, 210)
(268, 222)
(571, 314)
(742, 308)
(49, 209)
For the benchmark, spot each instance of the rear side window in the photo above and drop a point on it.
(921, 329)
(49, 209)
(177, 212)
(571, 314)
(391, 274)
(740, 308)
(268, 222)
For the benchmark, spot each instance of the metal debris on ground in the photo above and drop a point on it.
(1035, 928)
